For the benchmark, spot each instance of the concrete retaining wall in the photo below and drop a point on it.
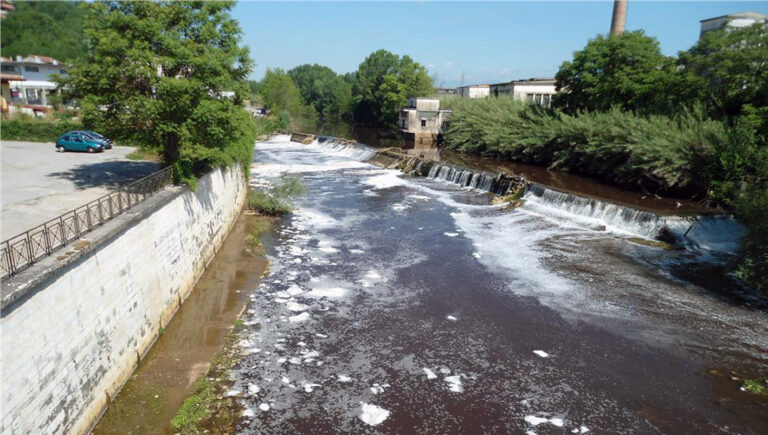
(81, 327)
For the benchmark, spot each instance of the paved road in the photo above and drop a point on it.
(39, 184)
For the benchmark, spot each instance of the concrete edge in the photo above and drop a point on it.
(18, 288)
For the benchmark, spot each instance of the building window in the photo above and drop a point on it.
(547, 100)
(8, 68)
(31, 69)
(423, 122)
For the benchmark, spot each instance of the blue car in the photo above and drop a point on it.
(92, 134)
(78, 142)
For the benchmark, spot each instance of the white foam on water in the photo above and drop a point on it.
(454, 383)
(299, 317)
(248, 413)
(372, 274)
(253, 389)
(535, 421)
(373, 415)
(451, 318)
(451, 234)
(264, 407)
(430, 374)
(344, 378)
(308, 387)
(399, 207)
(329, 292)
(541, 353)
(294, 290)
(356, 251)
(232, 393)
(295, 306)
(388, 180)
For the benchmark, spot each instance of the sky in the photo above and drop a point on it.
(481, 42)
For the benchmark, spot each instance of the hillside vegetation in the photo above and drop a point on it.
(45, 28)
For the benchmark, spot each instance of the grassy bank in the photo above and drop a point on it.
(687, 155)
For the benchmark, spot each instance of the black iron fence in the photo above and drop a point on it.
(20, 252)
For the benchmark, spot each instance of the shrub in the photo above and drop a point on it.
(268, 204)
(624, 148)
(36, 130)
(276, 201)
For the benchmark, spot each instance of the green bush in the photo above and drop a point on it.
(268, 204)
(35, 130)
(638, 152)
(276, 201)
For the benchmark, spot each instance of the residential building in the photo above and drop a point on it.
(535, 90)
(422, 120)
(744, 19)
(5, 7)
(474, 91)
(27, 80)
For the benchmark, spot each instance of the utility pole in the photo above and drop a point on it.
(619, 20)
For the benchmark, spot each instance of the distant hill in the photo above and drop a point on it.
(46, 28)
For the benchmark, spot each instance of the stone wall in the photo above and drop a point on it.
(81, 327)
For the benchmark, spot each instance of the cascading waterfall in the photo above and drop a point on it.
(498, 184)
(712, 233)
(355, 151)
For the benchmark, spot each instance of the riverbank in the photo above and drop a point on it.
(688, 155)
(185, 350)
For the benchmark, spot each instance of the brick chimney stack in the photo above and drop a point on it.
(619, 20)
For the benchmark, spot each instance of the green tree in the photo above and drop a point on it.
(52, 29)
(626, 71)
(170, 76)
(327, 92)
(730, 70)
(382, 84)
(282, 97)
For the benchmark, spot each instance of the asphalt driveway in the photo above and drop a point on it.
(39, 184)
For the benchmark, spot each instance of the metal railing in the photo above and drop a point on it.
(20, 252)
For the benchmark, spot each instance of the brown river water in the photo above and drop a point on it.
(403, 304)
(164, 378)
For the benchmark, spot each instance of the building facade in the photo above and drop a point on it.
(534, 90)
(27, 81)
(422, 120)
(744, 19)
(474, 91)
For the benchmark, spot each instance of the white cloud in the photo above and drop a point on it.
(449, 64)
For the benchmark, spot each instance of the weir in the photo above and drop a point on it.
(717, 233)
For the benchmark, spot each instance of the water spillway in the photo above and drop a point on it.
(718, 233)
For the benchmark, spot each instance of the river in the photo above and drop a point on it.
(405, 304)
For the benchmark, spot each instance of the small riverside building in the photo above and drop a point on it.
(534, 90)
(474, 91)
(421, 120)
